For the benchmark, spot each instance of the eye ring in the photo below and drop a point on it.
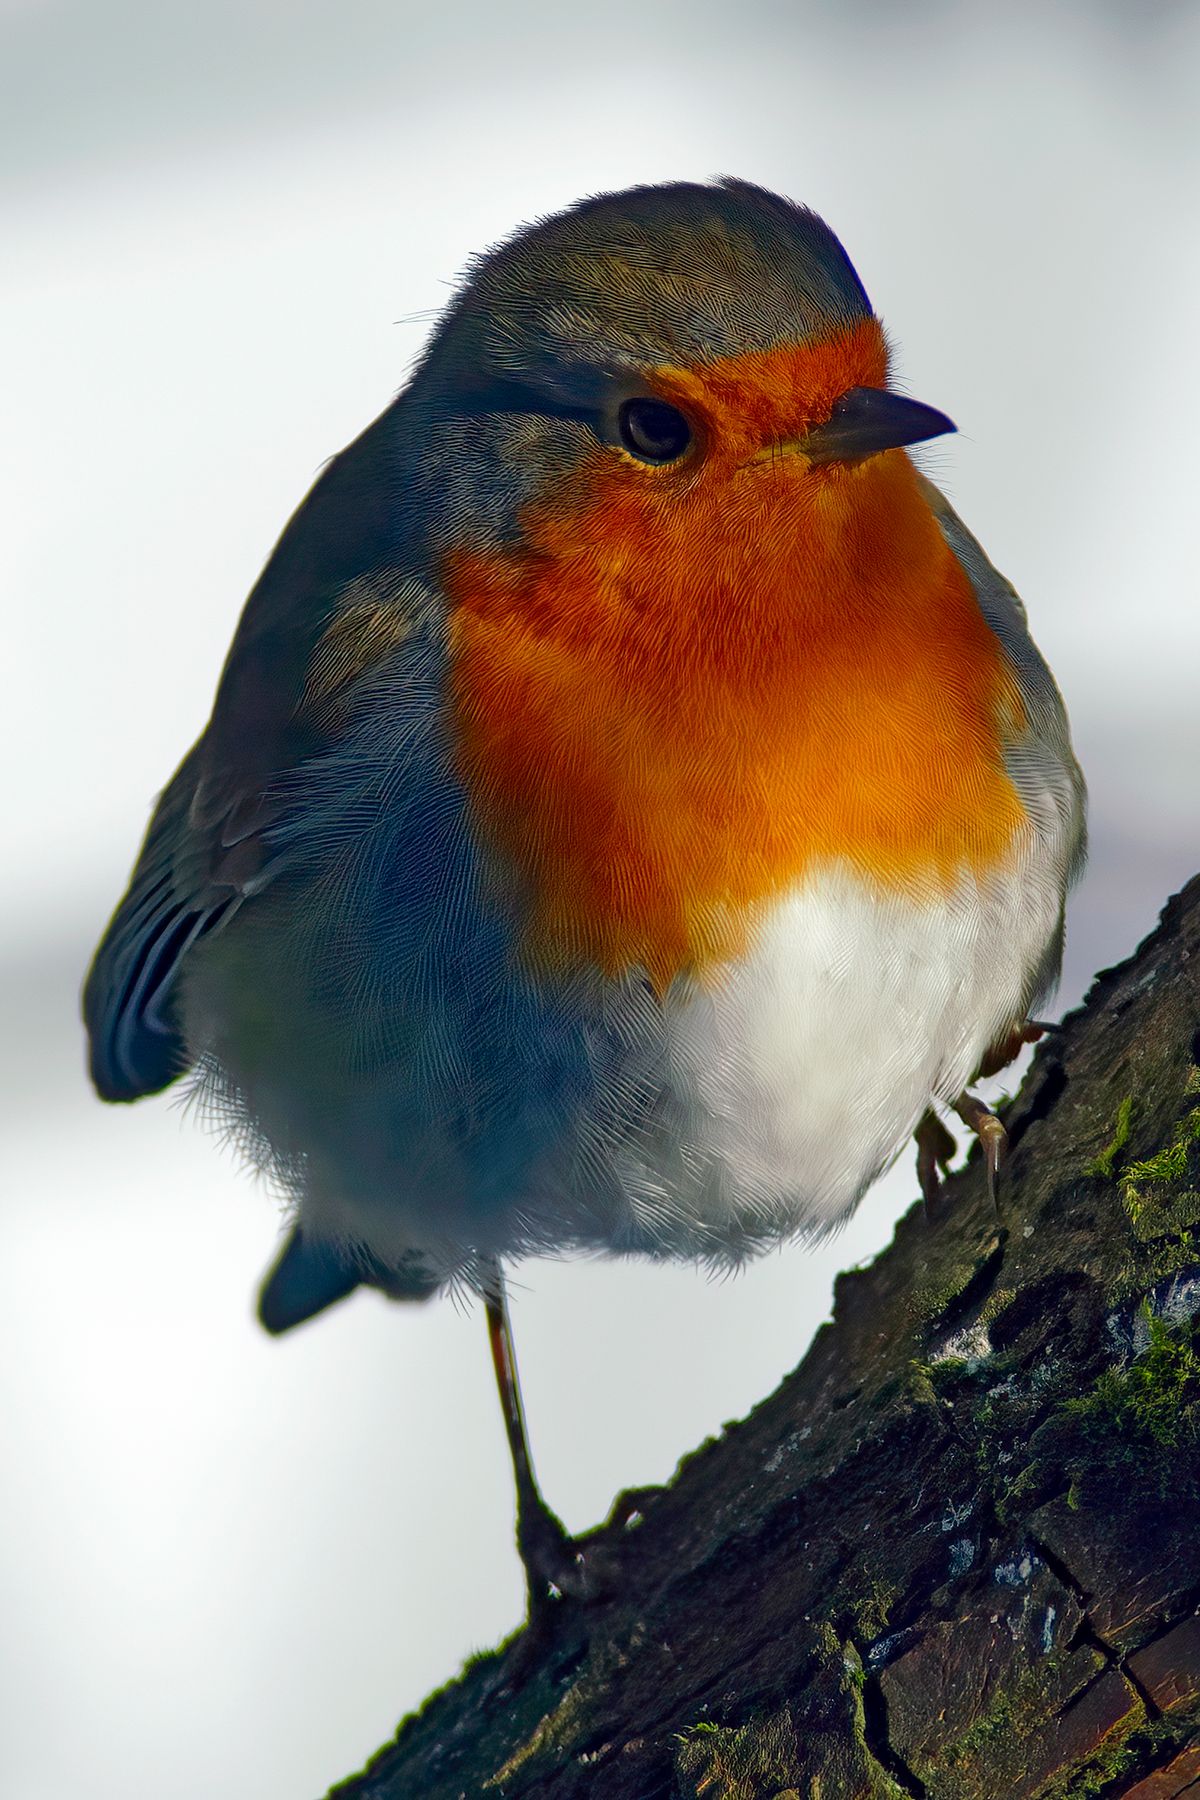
(653, 430)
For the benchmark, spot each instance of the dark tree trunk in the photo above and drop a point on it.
(957, 1553)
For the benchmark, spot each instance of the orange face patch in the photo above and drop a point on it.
(689, 685)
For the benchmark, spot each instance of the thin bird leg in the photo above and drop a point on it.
(991, 1134)
(549, 1556)
(935, 1153)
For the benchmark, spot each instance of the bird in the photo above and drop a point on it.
(633, 805)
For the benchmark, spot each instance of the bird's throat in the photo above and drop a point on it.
(673, 707)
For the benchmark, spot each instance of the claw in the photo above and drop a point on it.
(989, 1129)
(935, 1153)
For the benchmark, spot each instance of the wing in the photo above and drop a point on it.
(1039, 756)
(136, 1045)
(329, 607)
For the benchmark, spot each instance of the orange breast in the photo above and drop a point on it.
(678, 696)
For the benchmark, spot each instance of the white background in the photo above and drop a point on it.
(228, 1565)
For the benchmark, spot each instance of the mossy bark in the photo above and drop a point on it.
(957, 1553)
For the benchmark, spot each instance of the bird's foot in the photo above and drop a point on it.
(557, 1567)
(935, 1153)
(989, 1129)
(1008, 1048)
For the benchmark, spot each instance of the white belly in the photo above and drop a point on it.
(756, 1106)
(799, 1075)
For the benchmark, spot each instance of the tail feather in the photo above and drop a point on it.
(309, 1275)
(305, 1279)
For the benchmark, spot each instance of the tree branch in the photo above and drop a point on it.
(957, 1553)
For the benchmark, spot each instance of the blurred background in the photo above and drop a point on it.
(228, 1565)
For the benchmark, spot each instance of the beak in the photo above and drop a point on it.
(867, 420)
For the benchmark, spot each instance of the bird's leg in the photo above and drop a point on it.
(935, 1146)
(1000, 1054)
(549, 1556)
(935, 1153)
(991, 1134)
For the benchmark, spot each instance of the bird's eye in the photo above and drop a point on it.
(653, 431)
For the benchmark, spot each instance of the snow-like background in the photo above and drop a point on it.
(228, 1565)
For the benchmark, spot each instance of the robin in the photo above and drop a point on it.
(632, 806)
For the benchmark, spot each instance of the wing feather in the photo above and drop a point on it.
(136, 1043)
(210, 848)
(328, 608)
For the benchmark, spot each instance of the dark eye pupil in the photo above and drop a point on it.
(653, 431)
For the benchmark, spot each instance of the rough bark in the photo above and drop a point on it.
(957, 1553)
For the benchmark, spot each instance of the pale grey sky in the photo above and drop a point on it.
(227, 1564)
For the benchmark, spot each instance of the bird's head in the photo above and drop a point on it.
(658, 366)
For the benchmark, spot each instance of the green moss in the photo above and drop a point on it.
(1147, 1416)
(933, 1298)
(1153, 1215)
(1003, 1418)
(992, 1752)
(1095, 1776)
(1167, 1240)
(1001, 1425)
(1161, 1196)
(1103, 1163)
(1016, 1712)
(995, 1723)
(1182, 1252)
(998, 1301)
(1151, 1744)
(721, 1762)
(1013, 1495)
(551, 1731)
(918, 1384)
(946, 1371)
(702, 1728)
(1171, 1163)
(873, 1610)
(479, 1658)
